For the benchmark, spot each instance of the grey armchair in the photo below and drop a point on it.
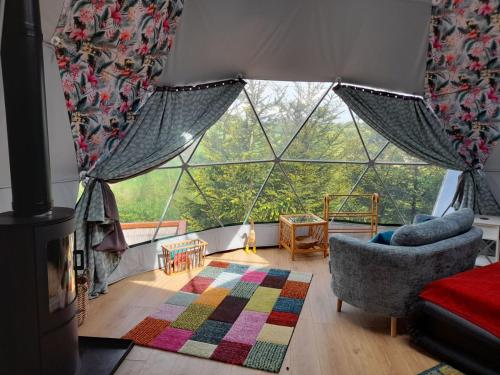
(387, 279)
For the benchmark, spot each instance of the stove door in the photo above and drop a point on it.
(56, 275)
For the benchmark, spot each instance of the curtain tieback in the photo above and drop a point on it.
(460, 191)
(103, 197)
(103, 212)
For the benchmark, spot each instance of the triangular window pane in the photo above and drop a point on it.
(81, 189)
(190, 207)
(175, 162)
(284, 106)
(277, 198)
(361, 201)
(374, 142)
(231, 189)
(313, 180)
(329, 134)
(184, 156)
(188, 152)
(393, 154)
(237, 136)
(413, 188)
(141, 201)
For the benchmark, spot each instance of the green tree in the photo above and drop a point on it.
(234, 158)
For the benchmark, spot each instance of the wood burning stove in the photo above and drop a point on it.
(38, 332)
(39, 328)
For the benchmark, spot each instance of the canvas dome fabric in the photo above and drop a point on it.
(380, 43)
(387, 44)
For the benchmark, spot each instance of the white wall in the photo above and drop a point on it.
(62, 155)
(146, 257)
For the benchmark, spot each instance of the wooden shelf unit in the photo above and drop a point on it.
(372, 215)
(183, 255)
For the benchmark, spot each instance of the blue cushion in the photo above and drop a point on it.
(383, 238)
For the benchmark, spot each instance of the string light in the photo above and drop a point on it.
(377, 92)
(201, 86)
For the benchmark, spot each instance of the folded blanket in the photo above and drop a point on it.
(473, 295)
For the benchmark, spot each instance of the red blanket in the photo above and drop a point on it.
(473, 295)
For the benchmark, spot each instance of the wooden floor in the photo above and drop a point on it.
(324, 342)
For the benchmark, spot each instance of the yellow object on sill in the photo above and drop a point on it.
(252, 239)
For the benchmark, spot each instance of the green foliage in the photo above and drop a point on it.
(231, 189)
(143, 198)
(330, 137)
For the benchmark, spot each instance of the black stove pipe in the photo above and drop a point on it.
(24, 88)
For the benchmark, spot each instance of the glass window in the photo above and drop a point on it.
(283, 107)
(413, 188)
(313, 180)
(232, 188)
(141, 201)
(175, 162)
(231, 174)
(393, 154)
(190, 207)
(373, 141)
(329, 134)
(237, 136)
(369, 183)
(277, 197)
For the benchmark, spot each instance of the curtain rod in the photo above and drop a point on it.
(201, 86)
(339, 84)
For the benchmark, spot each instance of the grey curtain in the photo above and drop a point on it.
(166, 125)
(412, 126)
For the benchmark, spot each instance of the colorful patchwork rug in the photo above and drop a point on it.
(442, 369)
(231, 313)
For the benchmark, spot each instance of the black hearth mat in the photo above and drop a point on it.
(102, 356)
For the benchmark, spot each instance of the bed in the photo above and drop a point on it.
(458, 320)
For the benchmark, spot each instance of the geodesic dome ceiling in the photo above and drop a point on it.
(279, 148)
(381, 43)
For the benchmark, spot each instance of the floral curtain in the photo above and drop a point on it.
(109, 54)
(167, 124)
(463, 74)
(462, 87)
(412, 126)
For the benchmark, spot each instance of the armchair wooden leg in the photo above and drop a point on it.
(394, 326)
(339, 305)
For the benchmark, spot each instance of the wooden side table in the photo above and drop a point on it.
(313, 239)
(491, 231)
